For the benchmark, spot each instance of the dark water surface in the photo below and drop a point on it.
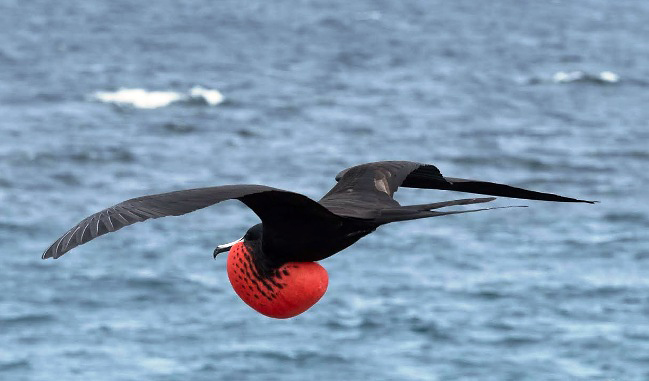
(104, 101)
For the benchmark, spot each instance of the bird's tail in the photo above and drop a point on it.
(414, 212)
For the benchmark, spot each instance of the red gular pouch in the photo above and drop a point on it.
(291, 290)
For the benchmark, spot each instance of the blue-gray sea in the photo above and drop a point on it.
(101, 101)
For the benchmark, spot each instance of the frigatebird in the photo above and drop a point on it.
(273, 266)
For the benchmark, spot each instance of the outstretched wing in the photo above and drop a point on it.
(266, 202)
(367, 188)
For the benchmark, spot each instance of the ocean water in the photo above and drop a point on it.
(101, 101)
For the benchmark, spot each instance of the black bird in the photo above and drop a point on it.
(272, 267)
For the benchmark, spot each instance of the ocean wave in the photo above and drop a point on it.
(145, 99)
(581, 76)
(115, 326)
(287, 355)
(98, 154)
(577, 76)
(160, 365)
(14, 364)
(30, 319)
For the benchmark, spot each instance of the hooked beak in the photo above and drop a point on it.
(225, 247)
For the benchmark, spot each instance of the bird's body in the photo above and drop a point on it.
(272, 267)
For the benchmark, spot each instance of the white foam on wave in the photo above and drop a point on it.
(609, 76)
(578, 75)
(139, 98)
(211, 97)
(144, 99)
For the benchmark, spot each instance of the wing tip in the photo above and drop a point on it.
(51, 253)
(569, 199)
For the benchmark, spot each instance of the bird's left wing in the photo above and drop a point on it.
(272, 205)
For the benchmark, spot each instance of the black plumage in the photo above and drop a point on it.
(296, 228)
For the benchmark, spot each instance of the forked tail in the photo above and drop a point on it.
(414, 212)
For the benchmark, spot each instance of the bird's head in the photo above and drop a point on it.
(251, 238)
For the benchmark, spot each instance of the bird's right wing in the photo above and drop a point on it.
(275, 207)
(365, 190)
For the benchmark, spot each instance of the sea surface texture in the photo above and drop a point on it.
(101, 101)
